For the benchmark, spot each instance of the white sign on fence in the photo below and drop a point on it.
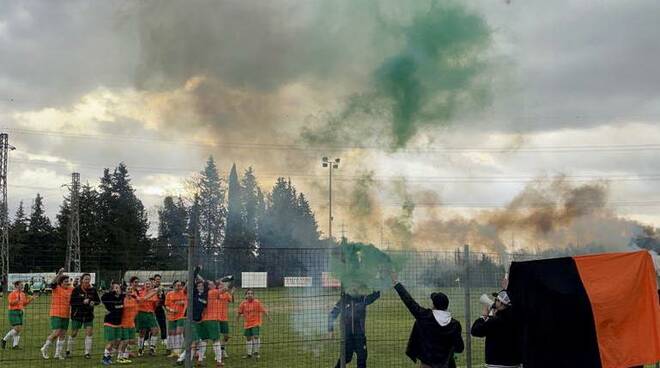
(297, 281)
(254, 279)
(327, 280)
(78, 275)
(39, 278)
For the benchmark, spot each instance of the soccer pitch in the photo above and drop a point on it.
(296, 337)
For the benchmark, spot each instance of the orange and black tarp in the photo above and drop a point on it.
(587, 311)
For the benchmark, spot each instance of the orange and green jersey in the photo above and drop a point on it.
(147, 305)
(176, 301)
(218, 306)
(60, 304)
(130, 311)
(18, 300)
(251, 312)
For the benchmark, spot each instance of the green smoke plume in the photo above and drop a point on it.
(437, 72)
(363, 267)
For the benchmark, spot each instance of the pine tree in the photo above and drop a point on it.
(237, 247)
(19, 252)
(306, 229)
(41, 240)
(130, 219)
(288, 222)
(89, 227)
(123, 222)
(252, 202)
(210, 188)
(171, 244)
(62, 230)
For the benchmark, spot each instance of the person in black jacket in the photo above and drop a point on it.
(113, 301)
(200, 301)
(435, 336)
(83, 299)
(497, 326)
(160, 311)
(354, 308)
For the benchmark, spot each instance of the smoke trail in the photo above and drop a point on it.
(364, 209)
(435, 74)
(401, 226)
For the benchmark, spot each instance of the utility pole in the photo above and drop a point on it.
(330, 164)
(4, 213)
(343, 231)
(73, 246)
(381, 236)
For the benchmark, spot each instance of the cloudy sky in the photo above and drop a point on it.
(544, 88)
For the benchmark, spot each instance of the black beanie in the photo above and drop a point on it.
(440, 301)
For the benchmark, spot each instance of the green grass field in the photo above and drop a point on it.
(296, 337)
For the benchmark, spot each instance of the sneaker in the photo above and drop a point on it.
(88, 356)
(68, 354)
(219, 365)
(44, 352)
(124, 361)
(248, 356)
(106, 360)
(152, 351)
(140, 352)
(60, 357)
(256, 355)
(4, 344)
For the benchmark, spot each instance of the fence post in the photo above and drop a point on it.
(342, 330)
(190, 285)
(468, 317)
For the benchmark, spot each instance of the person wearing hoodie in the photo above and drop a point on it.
(354, 306)
(435, 336)
(497, 326)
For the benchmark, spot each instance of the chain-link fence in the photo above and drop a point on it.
(295, 286)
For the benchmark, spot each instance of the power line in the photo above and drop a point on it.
(348, 178)
(298, 147)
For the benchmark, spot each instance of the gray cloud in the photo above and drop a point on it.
(269, 68)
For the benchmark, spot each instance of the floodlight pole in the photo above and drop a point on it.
(5, 147)
(330, 164)
(468, 317)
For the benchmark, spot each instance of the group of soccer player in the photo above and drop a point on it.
(137, 315)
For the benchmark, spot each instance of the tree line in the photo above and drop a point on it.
(238, 226)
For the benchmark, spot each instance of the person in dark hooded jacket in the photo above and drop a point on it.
(354, 307)
(435, 336)
(497, 325)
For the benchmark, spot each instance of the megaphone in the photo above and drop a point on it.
(228, 278)
(485, 300)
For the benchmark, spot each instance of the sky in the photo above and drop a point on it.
(455, 105)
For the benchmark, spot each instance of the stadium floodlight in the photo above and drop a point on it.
(330, 164)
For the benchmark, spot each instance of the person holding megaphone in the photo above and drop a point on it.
(497, 326)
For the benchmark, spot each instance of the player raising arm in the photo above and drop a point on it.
(18, 300)
(59, 314)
